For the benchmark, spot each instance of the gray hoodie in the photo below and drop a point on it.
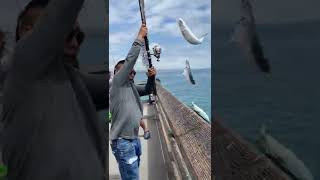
(51, 129)
(125, 103)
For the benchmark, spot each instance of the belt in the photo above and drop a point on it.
(115, 140)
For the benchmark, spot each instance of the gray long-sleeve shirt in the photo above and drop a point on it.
(51, 128)
(125, 103)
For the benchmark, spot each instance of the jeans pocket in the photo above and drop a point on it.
(127, 151)
(125, 148)
(123, 144)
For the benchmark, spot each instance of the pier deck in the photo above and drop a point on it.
(180, 147)
(180, 144)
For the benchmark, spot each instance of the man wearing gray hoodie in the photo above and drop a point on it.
(126, 110)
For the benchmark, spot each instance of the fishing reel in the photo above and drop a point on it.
(156, 51)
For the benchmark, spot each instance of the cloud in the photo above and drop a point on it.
(120, 37)
(124, 21)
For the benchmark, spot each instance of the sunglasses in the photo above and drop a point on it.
(133, 72)
(76, 33)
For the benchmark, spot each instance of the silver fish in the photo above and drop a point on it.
(188, 34)
(199, 111)
(187, 73)
(246, 37)
(283, 156)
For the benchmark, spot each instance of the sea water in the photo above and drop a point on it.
(287, 101)
(183, 90)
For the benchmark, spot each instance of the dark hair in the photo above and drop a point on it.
(31, 4)
(115, 67)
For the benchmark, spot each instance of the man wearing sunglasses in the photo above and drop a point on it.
(126, 109)
(51, 129)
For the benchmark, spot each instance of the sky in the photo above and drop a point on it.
(269, 11)
(162, 15)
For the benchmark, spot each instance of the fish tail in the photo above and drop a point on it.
(204, 35)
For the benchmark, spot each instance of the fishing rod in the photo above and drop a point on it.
(146, 41)
(156, 49)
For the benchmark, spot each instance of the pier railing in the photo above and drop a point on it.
(236, 159)
(186, 145)
(186, 138)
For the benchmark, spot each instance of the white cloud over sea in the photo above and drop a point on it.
(125, 20)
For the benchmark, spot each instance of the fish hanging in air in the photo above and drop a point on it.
(188, 34)
(282, 156)
(200, 112)
(187, 73)
(246, 37)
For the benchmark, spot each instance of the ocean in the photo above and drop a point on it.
(287, 102)
(175, 83)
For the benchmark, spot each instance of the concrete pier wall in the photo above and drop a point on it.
(236, 159)
(186, 138)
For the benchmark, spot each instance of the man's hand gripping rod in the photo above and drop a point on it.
(146, 41)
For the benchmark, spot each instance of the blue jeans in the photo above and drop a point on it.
(127, 153)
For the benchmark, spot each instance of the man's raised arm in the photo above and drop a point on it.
(122, 76)
(35, 51)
